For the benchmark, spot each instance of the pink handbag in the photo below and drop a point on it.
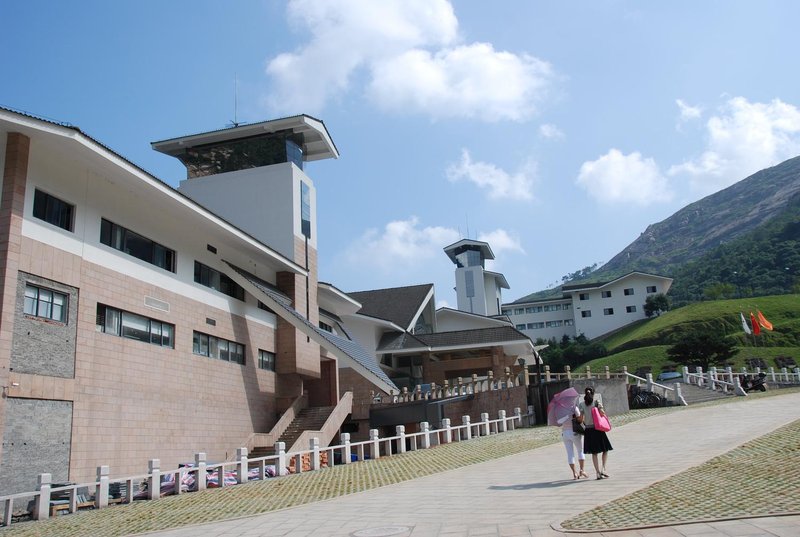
(601, 423)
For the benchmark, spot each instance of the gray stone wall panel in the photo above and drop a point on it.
(41, 346)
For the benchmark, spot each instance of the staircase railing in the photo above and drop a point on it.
(713, 380)
(260, 440)
(673, 394)
(330, 429)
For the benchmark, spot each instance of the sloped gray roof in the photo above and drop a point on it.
(398, 304)
(477, 337)
(349, 347)
(480, 337)
(396, 341)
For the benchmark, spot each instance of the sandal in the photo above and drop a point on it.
(600, 476)
(582, 474)
(604, 474)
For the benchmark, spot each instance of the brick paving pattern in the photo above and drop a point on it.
(755, 479)
(749, 480)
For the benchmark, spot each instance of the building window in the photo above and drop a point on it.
(630, 309)
(325, 326)
(136, 245)
(565, 306)
(52, 210)
(132, 326)
(651, 288)
(305, 210)
(569, 322)
(205, 275)
(521, 326)
(552, 307)
(45, 303)
(266, 360)
(586, 313)
(584, 296)
(608, 311)
(606, 294)
(628, 291)
(554, 324)
(535, 326)
(218, 348)
(519, 311)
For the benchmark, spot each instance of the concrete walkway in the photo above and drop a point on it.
(528, 494)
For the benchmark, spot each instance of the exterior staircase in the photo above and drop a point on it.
(308, 419)
(693, 394)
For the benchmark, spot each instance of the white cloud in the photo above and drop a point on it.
(618, 178)
(399, 246)
(551, 132)
(410, 53)
(499, 183)
(742, 139)
(501, 241)
(688, 113)
(470, 81)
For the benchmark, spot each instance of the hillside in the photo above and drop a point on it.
(746, 236)
(646, 342)
(714, 220)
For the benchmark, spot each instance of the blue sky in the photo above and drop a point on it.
(555, 131)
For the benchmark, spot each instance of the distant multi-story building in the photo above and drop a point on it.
(477, 290)
(590, 309)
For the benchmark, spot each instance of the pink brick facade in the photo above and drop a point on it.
(133, 401)
(11, 206)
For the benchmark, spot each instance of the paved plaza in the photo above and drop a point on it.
(715, 465)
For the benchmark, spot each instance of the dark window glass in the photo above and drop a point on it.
(45, 303)
(294, 154)
(136, 245)
(52, 210)
(132, 326)
(266, 360)
(205, 275)
(305, 210)
(218, 348)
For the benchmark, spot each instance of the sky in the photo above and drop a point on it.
(554, 131)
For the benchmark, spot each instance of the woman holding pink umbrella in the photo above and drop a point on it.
(561, 411)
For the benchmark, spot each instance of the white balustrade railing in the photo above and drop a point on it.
(671, 393)
(201, 475)
(727, 381)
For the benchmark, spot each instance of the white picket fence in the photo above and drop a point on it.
(157, 482)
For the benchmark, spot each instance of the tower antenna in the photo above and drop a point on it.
(235, 100)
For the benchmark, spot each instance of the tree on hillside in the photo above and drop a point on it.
(702, 347)
(718, 291)
(656, 304)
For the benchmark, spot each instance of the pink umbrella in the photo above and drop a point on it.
(561, 406)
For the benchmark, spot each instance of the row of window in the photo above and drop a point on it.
(133, 326)
(539, 309)
(52, 305)
(629, 291)
(545, 324)
(608, 311)
(60, 213)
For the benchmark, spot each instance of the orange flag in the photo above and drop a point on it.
(756, 329)
(763, 321)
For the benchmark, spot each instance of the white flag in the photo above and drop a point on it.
(745, 327)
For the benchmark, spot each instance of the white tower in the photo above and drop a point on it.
(477, 289)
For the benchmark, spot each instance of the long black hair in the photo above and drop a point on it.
(589, 395)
